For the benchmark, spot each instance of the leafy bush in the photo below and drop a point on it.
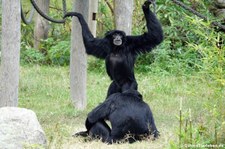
(59, 54)
(32, 56)
(197, 42)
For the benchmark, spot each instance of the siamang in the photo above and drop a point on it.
(120, 51)
(127, 113)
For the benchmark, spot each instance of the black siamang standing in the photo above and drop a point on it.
(127, 113)
(120, 51)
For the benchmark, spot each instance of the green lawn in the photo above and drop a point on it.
(45, 90)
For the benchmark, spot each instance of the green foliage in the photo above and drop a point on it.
(105, 18)
(192, 47)
(207, 130)
(59, 54)
(32, 56)
(59, 35)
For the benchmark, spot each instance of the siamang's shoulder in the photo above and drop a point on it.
(133, 94)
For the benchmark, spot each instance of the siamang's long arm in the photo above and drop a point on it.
(94, 46)
(100, 112)
(103, 110)
(154, 36)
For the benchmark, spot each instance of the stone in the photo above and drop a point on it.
(19, 128)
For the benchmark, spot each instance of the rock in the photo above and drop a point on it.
(19, 128)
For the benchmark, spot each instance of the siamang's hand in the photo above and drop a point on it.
(147, 3)
(71, 14)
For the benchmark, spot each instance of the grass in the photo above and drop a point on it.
(45, 90)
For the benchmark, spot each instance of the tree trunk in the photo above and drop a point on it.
(9, 70)
(0, 30)
(93, 9)
(123, 15)
(41, 25)
(78, 58)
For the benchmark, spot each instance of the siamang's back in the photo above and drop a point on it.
(131, 114)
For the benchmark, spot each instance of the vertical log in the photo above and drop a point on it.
(93, 9)
(41, 24)
(10, 53)
(123, 15)
(78, 58)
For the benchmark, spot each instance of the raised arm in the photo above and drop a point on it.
(103, 110)
(94, 46)
(154, 36)
(100, 112)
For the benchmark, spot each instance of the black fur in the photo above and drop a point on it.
(127, 113)
(99, 130)
(120, 59)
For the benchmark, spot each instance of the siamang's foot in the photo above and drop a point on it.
(156, 134)
(147, 3)
(82, 133)
(108, 140)
(71, 14)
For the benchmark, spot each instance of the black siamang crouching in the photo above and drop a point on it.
(128, 115)
(120, 50)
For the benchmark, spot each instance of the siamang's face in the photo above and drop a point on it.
(117, 39)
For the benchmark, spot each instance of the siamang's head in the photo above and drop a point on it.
(116, 37)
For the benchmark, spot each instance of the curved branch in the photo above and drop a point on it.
(44, 15)
(222, 27)
(110, 6)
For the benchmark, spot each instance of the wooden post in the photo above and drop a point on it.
(123, 15)
(93, 9)
(10, 53)
(41, 24)
(78, 58)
